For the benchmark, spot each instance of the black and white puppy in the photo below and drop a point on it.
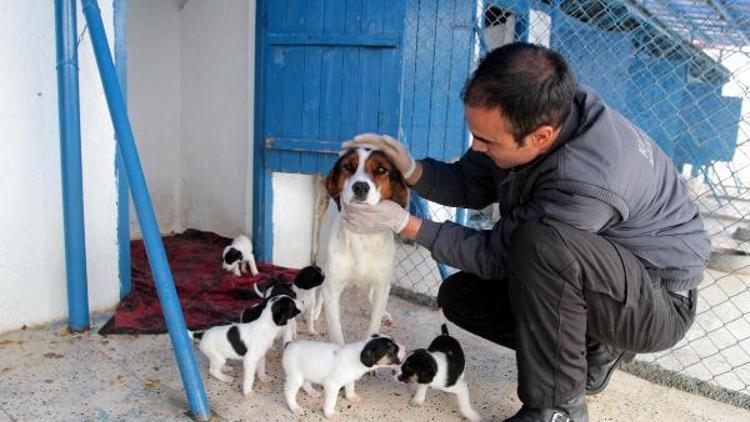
(247, 341)
(440, 366)
(277, 287)
(237, 256)
(333, 366)
(306, 289)
(307, 285)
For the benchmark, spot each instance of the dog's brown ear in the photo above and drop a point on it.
(399, 188)
(333, 185)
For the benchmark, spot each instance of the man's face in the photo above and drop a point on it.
(492, 136)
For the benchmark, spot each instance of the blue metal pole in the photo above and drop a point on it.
(123, 187)
(70, 155)
(183, 348)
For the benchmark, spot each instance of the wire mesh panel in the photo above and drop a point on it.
(679, 69)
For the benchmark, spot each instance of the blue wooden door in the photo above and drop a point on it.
(326, 70)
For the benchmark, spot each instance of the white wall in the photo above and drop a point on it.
(191, 81)
(32, 256)
(293, 216)
(154, 103)
(217, 63)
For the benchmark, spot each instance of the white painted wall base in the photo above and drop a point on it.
(293, 216)
(32, 253)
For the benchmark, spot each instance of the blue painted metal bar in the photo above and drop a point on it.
(70, 154)
(333, 39)
(183, 347)
(123, 187)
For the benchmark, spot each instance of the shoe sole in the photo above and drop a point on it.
(623, 358)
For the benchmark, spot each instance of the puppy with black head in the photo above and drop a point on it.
(277, 287)
(440, 366)
(334, 366)
(238, 256)
(307, 285)
(246, 341)
(306, 288)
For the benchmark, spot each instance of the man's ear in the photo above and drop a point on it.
(543, 137)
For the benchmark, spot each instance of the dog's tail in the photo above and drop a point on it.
(443, 323)
(195, 335)
(258, 292)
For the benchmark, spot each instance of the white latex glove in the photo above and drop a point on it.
(393, 148)
(361, 217)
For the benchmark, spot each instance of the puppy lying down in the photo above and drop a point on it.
(334, 366)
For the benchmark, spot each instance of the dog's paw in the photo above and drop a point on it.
(387, 320)
(299, 411)
(417, 402)
(354, 398)
(331, 415)
(249, 395)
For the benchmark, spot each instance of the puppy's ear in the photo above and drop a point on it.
(424, 366)
(309, 277)
(283, 310)
(232, 255)
(399, 188)
(377, 349)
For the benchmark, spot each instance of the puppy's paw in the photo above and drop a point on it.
(331, 415)
(299, 411)
(387, 320)
(416, 401)
(473, 417)
(312, 392)
(222, 377)
(264, 378)
(354, 399)
(249, 395)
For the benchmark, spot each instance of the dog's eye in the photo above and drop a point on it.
(381, 171)
(349, 168)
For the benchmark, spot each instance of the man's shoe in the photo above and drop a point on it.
(573, 411)
(602, 361)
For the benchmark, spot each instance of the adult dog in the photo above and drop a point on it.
(350, 258)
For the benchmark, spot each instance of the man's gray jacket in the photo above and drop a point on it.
(602, 175)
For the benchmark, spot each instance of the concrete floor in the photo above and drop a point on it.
(46, 374)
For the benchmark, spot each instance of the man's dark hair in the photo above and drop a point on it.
(531, 85)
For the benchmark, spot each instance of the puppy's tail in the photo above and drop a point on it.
(195, 335)
(443, 323)
(257, 291)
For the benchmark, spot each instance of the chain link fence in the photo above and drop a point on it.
(681, 71)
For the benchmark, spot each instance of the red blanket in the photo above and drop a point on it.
(209, 295)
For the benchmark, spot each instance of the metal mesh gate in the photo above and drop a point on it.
(681, 71)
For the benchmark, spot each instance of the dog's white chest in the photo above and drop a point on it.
(363, 259)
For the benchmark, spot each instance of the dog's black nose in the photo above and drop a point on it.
(360, 190)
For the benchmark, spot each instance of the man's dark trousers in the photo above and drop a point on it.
(565, 286)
